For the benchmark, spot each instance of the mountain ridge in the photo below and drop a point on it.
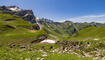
(54, 30)
(21, 38)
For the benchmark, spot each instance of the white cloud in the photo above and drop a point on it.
(101, 21)
(89, 18)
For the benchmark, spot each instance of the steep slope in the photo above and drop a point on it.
(55, 30)
(14, 29)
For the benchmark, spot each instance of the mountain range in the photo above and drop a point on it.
(22, 35)
(14, 18)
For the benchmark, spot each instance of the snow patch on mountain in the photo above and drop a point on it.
(48, 41)
(14, 9)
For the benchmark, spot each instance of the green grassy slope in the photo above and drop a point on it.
(91, 33)
(56, 32)
(14, 29)
(65, 30)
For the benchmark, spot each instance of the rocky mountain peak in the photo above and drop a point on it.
(10, 8)
(67, 22)
(14, 8)
(26, 14)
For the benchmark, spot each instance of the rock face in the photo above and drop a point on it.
(26, 14)
(39, 39)
(66, 27)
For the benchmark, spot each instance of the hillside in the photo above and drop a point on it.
(90, 33)
(16, 37)
(14, 29)
(21, 36)
(67, 29)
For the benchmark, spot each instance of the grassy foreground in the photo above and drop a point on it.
(7, 53)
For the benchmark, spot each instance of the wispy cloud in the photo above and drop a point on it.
(89, 18)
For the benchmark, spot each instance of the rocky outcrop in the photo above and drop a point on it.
(26, 14)
(39, 39)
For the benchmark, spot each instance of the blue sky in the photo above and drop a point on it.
(60, 10)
